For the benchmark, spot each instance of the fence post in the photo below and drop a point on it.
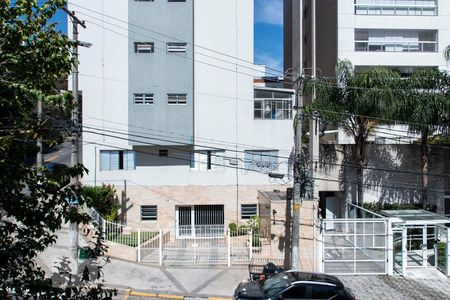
(250, 255)
(404, 250)
(104, 229)
(139, 245)
(229, 247)
(160, 248)
(390, 248)
(447, 250)
(320, 256)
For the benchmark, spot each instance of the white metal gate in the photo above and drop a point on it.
(354, 246)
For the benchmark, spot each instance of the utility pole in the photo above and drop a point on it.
(73, 227)
(297, 200)
(40, 145)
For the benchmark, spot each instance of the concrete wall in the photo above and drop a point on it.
(161, 73)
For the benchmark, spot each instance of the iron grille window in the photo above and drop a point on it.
(177, 99)
(143, 99)
(261, 160)
(114, 160)
(176, 47)
(144, 47)
(248, 211)
(149, 212)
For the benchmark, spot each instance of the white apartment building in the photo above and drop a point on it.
(169, 111)
(404, 35)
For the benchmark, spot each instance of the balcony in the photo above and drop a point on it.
(396, 7)
(374, 40)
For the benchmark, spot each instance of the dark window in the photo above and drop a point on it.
(144, 47)
(163, 152)
(296, 292)
(176, 47)
(447, 203)
(176, 0)
(149, 212)
(319, 291)
(248, 211)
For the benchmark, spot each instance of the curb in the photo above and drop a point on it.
(129, 292)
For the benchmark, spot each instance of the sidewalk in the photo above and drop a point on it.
(189, 281)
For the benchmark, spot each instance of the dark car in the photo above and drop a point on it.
(295, 285)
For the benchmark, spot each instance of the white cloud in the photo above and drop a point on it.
(269, 11)
(272, 61)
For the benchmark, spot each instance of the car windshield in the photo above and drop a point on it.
(276, 284)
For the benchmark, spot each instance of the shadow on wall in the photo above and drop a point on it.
(392, 174)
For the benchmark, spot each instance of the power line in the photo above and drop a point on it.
(275, 156)
(171, 37)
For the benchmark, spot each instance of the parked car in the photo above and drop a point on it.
(295, 285)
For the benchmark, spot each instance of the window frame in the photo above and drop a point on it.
(147, 98)
(179, 98)
(150, 209)
(126, 160)
(151, 50)
(281, 108)
(247, 216)
(176, 47)
(253, 157)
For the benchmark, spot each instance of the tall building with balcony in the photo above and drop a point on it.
(169, 111)
(404, 35)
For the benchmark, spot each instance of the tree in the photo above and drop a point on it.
(354, 102)
(33, 203)
(424, 102)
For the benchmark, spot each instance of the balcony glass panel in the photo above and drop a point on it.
(396, 7)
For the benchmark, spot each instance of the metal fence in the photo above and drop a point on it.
(354, 246)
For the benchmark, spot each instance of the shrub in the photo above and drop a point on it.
(104, 200)
(377, 207)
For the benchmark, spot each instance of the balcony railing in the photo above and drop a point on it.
(397, 7)
(392, 46)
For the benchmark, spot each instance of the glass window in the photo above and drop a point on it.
(177, 99)
(261, 160)
(208, 160)
(322, 291)
(176, 47)
(296, 292)
(143, 99)
(113, 160)
(273, 105)
(396, 7)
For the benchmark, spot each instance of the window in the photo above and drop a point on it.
(176, 47)
(396, 7)
(144, 47)
(207, 160)
(296, 292)
(391, 40)
(273, 105)
(447, 203)
(163, 153)
(319, 291)
(113, 160)
(177, 99)
(261, 160)
(248, 211)
(143, 99)
(149, 212)
(176, 0)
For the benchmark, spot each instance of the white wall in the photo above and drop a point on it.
(221, 121)
(103, 75)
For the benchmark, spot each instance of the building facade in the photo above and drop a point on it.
(170, 114)
(402, 35)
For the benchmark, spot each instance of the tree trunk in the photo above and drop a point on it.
(359, 150)
(424, 159)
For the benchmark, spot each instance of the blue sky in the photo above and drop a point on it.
(268, 33)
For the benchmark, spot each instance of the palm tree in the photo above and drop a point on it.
(424, 103)
(354, 102)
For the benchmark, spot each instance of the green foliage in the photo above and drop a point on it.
(33, 206)
(376, 207)
(132, 238)
(104, 200)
